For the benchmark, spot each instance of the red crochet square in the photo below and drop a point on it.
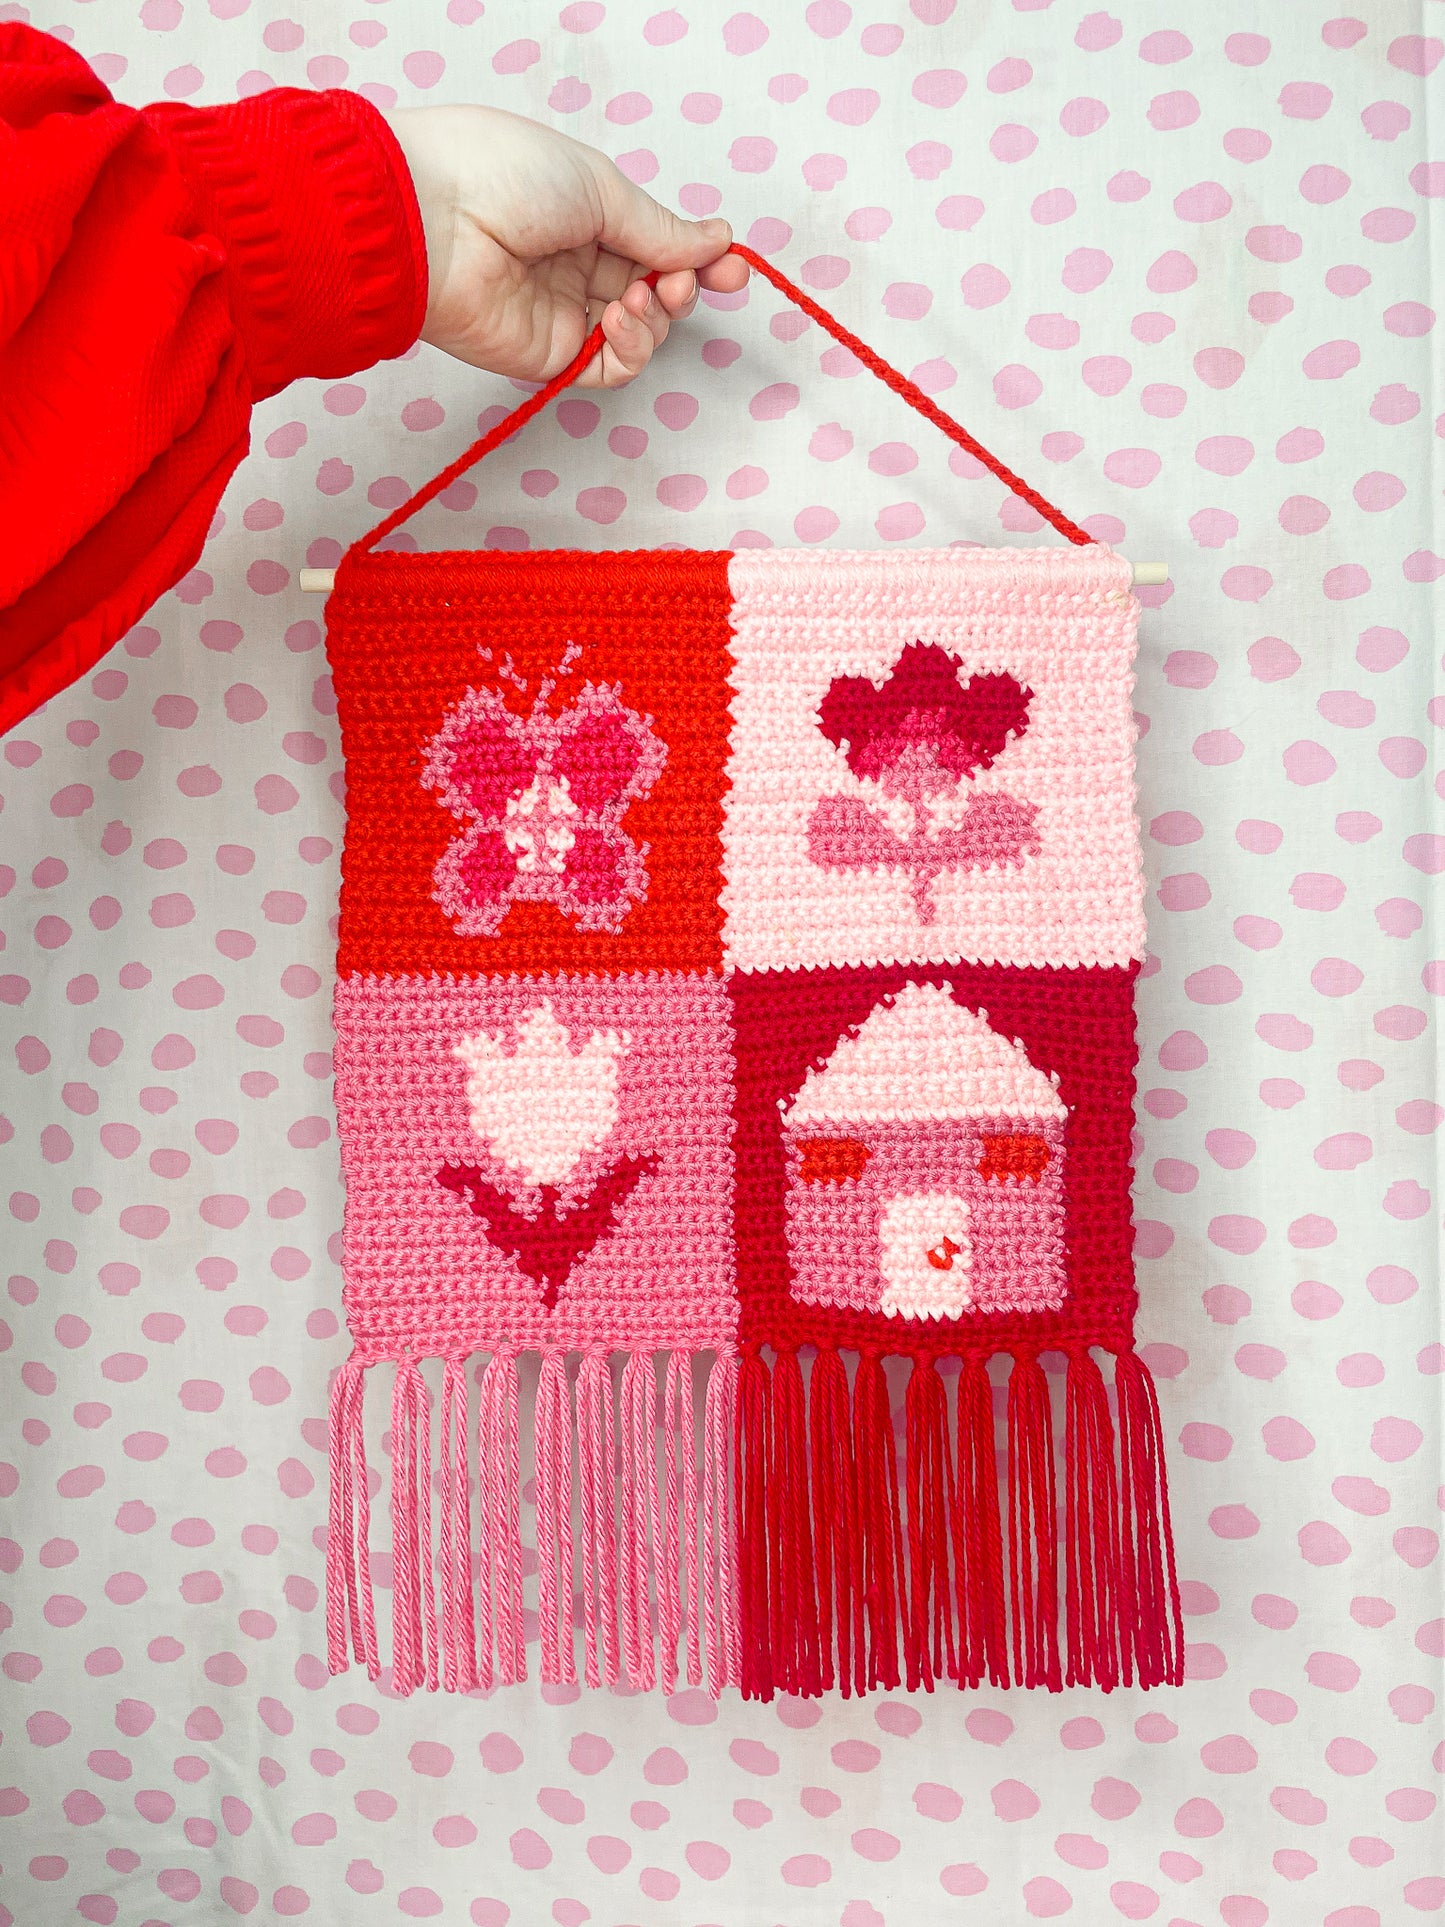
(535, 747)
(894, 1146)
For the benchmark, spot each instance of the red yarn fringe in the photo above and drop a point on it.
(659, 1574)
(856, 1578)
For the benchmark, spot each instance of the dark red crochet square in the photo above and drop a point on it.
(564, 815)
(1073, 1025)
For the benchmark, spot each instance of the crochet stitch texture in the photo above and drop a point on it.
(736, 965)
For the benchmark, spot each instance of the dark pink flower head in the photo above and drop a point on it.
(922, 730)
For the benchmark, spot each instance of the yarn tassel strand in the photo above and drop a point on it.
(932, 1505)
(413, 1594)
(553, 1487)
(458, 1623)
(503, 1629)
(1151, 1612)
(350, 1608)
(720, 1556)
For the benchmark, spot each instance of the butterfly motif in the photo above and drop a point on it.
(546, 794)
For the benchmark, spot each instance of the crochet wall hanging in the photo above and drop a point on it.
(735, 1012)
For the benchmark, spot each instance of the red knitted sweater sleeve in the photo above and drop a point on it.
(162, 269)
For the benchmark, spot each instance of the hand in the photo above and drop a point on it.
(532, 238)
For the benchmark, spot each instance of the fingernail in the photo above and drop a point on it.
(716, 228)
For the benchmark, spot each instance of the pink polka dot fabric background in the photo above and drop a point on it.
(1172, 262)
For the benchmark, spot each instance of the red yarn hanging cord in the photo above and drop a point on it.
(898, 382)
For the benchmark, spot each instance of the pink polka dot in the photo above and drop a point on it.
(1331, 360)
(1334, 1672)
(1052, 331)
(1045, 1898)
(1299, 445)
(1206, 201)
(1012, 143)
(1186, 892)
(1387, 225)
(1055, 204)
(1302, 515)
(1307, 762)
(1132, 467)
(1305, 99)
(900, 522)
(962, 1878)
(1214, 984)
(1057, 446)
(983, 286)
(607, 1852)
(815, 524)
(663, 1767)
(988, 1726)
(1171, 273)
(941, 87)
(1096, 32)
(806, 1870)
(1133, 1900)
(1246, 583)
(1173, 110)
(1395, 1439)
(1124, 188)
(1346, 281)
(1106, 375)
(935, 1802)
(871, 1843)
(1225, 454)
(602, 505)
(1016, 387)
(854, 106)
(1209, 1442)
(529, 1850)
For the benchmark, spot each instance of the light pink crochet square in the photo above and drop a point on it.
(537, 1162)
(931, 759)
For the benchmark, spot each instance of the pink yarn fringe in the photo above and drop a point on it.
(554, 1520)
(500, 1457)
(349, 1608)
(653, 1513)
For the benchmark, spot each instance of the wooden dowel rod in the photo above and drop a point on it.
(1147, 575)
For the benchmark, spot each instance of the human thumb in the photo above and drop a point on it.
(641, 229)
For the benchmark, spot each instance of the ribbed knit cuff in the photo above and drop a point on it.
(311, 199)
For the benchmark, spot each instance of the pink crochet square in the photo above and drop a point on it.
(931, 759)
(537, 1161)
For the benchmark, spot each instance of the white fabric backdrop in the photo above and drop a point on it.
(1174, 265)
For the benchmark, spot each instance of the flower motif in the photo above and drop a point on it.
(541, 1108)
(922, 730)
(546, 794)
(536, 1103)
(917, 737)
